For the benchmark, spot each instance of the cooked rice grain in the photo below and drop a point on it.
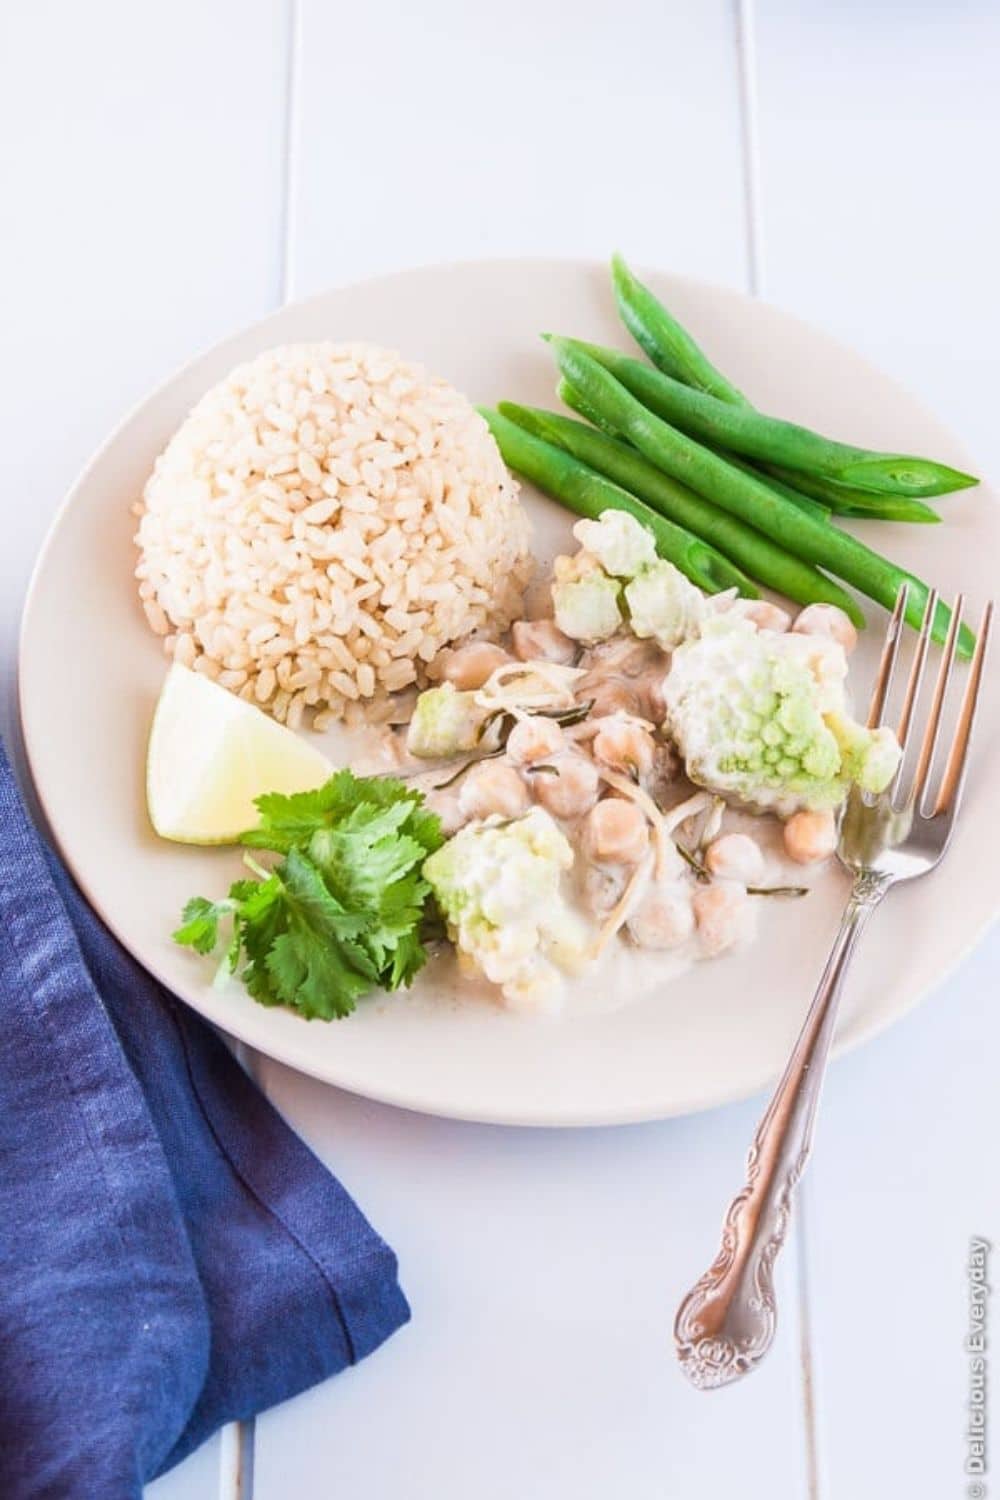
(325, 521)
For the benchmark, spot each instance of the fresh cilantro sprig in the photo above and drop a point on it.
(341, 913)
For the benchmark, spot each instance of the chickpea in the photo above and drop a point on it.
(645, 657)
(624, 745)
(664, 918)
(603, 888)
(616, 833)
(470, 666)
(735, 856)
(446, 804)
(571, 791)
(609, 696)
(534, 739)
(829, 621)
(764, 615)
(724, 916)
(810, 836)
(542, 640)
(492, 789)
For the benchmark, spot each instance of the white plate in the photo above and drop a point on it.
(90, 672)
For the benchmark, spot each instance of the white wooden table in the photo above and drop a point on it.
(173, 170)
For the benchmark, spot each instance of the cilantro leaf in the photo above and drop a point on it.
(200, 923)
(313, 976)
(287, 822)
(290, 820)
(300, 942)
(258, 923)
(310, 901)
(408, 958)
(425, 826)
(359, 867)
(343, 912)
(399, 913)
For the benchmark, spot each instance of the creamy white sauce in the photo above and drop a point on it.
(623, 973)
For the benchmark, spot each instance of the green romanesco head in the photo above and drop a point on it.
(762, 716)
(663, 605)
(445, 722)
(620, 543)
(585, 600)
(869, 759)
(497, 884)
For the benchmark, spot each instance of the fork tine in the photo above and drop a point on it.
(954, 772)
(917, 671)
(886, 667)
(929, 744)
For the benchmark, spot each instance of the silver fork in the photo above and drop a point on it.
(726, 1323)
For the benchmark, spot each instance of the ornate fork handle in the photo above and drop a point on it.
(726, 1323)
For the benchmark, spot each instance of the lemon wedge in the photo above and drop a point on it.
(210, 754)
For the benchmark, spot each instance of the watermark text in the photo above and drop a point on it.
(977, 1352)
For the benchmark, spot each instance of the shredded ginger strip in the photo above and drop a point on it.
(500, 691)
(626, 905)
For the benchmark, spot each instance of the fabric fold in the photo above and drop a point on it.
(172, 1255)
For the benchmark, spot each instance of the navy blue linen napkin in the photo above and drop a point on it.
(172, 1256)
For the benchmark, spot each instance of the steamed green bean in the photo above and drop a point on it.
(750, 499)
(589, 494)
(762, 558)
(846, 501)
(658, 333)
(747, 431)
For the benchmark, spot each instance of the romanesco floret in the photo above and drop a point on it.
(585, 600)
(445, 722)
(763, 717)
(664, 605)
(620, 543)
(498, 886)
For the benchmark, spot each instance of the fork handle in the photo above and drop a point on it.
(725, 1325)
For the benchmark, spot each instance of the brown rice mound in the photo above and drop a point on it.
(325, 521)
